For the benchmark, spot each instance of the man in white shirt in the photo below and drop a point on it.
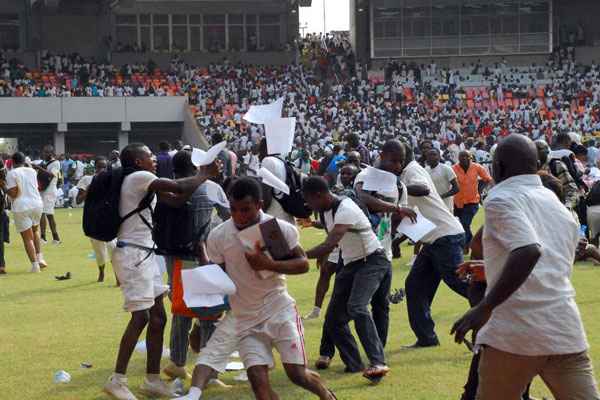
(442, 250)
(443, 178)
(276, 166)
(50, 194)
(266, 314)
(22, 187)
(136, 267)
(364, 279)
(528, 322)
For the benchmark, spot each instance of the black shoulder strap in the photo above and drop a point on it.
(334, 208)
(145, 203)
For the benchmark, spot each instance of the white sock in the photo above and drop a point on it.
(35, 265)
(317, 309)
(39, 257)
(119, 377)
(153, 377)
(194, 394)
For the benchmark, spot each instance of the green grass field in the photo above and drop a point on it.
(47, 325)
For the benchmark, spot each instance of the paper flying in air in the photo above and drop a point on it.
(205, 286)
(271, 180)
(201, 158)
(280, 135)
(261, 114)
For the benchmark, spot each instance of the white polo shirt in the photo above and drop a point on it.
(541, 318)
(431, 206)
(256, 299)
(441, 176)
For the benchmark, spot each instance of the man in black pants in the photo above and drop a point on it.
(364, 279)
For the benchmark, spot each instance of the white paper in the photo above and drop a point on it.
(416, 231)
(271, 180)
(205, 286)
(201, 158)
(260, 114)
(216, 194)
(234, 366)
(378, 180)
(280, 135)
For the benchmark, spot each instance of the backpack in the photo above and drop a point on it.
(173, 231)
(101, 219)
(294, 203)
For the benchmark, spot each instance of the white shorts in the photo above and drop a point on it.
(284, 331)
(103, 250)
(141, 281)
(222, 343)
(49, 201)
(27, 219)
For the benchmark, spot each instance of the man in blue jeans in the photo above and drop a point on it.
(364, 279)
(442, 250)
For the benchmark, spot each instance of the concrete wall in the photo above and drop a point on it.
(91, 110)
(70, 33)
(584, 12)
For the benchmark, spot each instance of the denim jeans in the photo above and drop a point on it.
(357, 285)
(436, 262)
(466, 215)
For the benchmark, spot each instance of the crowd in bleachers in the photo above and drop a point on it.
(331, 94)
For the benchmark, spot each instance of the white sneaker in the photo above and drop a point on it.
(314, 314)
(117, 389)
(43, 241)
(157, 389)
(56, 242)
(412, 261)
(35, 269)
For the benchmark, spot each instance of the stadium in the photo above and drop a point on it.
(453, 32)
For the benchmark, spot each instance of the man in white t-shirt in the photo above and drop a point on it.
(364, 280)
(22, 187)
(102, 250)
(442, 248)
(266, 314)
(276, 166)
(443, 177)
(528, 323)
(50, 194)
(136, 267)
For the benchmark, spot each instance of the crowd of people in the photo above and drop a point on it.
(449, 147)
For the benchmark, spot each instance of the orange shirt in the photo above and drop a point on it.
(468, 183)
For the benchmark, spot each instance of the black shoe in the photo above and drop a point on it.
(419, 345)
(397, 296)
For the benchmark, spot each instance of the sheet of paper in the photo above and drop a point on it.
(260, 114)
(216, 194)
(271, 180)
(418, 230)
(201, 158)
(280, 135)
(378, 180)
(205, 286)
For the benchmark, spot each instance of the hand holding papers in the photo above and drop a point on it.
(416, 231)
(378, 180)
(205, 286)
(201, 158)
(261, 114)
(264, 240)
(280, 135)
(271, 180)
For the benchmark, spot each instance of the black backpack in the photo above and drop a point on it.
(101, 219)
(173, 230)
(294, 203)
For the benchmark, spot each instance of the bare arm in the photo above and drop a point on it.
(184, 186)
(417, 190)
(296, 265)
(330, 243)
(13, 192)
(453, 190)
